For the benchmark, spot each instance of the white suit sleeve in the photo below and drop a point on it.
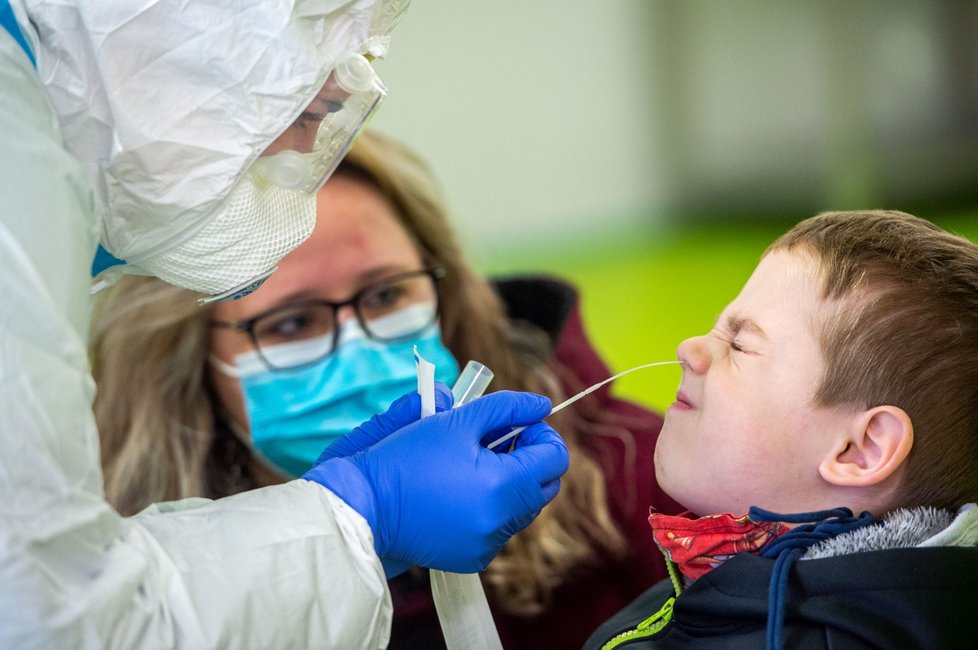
(289, 566)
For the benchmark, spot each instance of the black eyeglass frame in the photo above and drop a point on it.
(247, 326)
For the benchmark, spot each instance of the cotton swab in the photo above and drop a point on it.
(587, 391)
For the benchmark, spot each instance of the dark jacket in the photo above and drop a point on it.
(841, 595)
(595, 593)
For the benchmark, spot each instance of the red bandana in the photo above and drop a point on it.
(698, 545)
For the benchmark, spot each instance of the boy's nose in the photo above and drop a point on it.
(695, 354)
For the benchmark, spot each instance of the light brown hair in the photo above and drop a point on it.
(164, 436)
(161, 431)
(903, 331)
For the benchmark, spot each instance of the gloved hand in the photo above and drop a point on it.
(405, 410)
(435, 497)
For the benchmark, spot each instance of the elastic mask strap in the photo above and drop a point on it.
(224, 368)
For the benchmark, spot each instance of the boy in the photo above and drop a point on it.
(845, 376)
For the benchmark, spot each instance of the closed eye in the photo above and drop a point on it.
(733, 326)
(728, 338)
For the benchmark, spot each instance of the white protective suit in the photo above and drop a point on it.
(288, 566)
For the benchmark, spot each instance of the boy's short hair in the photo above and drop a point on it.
(903, 331)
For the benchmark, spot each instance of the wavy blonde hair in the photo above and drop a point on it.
(163, 435)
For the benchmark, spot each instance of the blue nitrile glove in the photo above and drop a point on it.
(405, 410)
(435, 497)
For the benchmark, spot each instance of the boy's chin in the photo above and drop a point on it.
(674, 492)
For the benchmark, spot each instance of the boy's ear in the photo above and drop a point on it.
(875, 447)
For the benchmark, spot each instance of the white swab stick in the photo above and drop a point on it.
(567, 402)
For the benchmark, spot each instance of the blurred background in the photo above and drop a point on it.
(649, 150)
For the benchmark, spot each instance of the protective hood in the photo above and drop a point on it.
(166, 103)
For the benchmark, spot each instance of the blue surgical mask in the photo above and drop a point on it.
(295, 414)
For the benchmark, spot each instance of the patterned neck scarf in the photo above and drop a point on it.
(698, 545)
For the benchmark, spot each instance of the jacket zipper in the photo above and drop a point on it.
(653, 624)
(650, 626)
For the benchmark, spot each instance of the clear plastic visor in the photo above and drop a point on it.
(306, 153)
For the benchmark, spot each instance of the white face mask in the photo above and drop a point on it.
(240, 247)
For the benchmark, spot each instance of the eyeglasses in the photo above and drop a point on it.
(392, 309)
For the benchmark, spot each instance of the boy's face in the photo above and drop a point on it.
(743, 430)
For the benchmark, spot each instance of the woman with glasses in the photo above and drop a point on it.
(210, 401)
(312, 369)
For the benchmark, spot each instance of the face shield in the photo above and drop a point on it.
(305, 155)
(178, 118)
(273, 207)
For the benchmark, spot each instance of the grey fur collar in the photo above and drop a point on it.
(905, 529)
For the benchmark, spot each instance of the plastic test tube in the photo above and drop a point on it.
(460, 601)
(472, 383)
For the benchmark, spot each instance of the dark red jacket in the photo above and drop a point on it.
(624, 451)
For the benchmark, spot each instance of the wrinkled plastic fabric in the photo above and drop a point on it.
(286, 566)
(164, 162)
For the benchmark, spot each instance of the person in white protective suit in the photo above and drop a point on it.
(162, 130)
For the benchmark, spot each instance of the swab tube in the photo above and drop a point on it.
(471, 383)
(460, 601)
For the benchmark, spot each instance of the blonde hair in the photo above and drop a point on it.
(164, 434)
(149, 346)
(160, 421)
(905, 333)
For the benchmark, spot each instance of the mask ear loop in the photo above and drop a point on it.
(223, 367)
(587, 391)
